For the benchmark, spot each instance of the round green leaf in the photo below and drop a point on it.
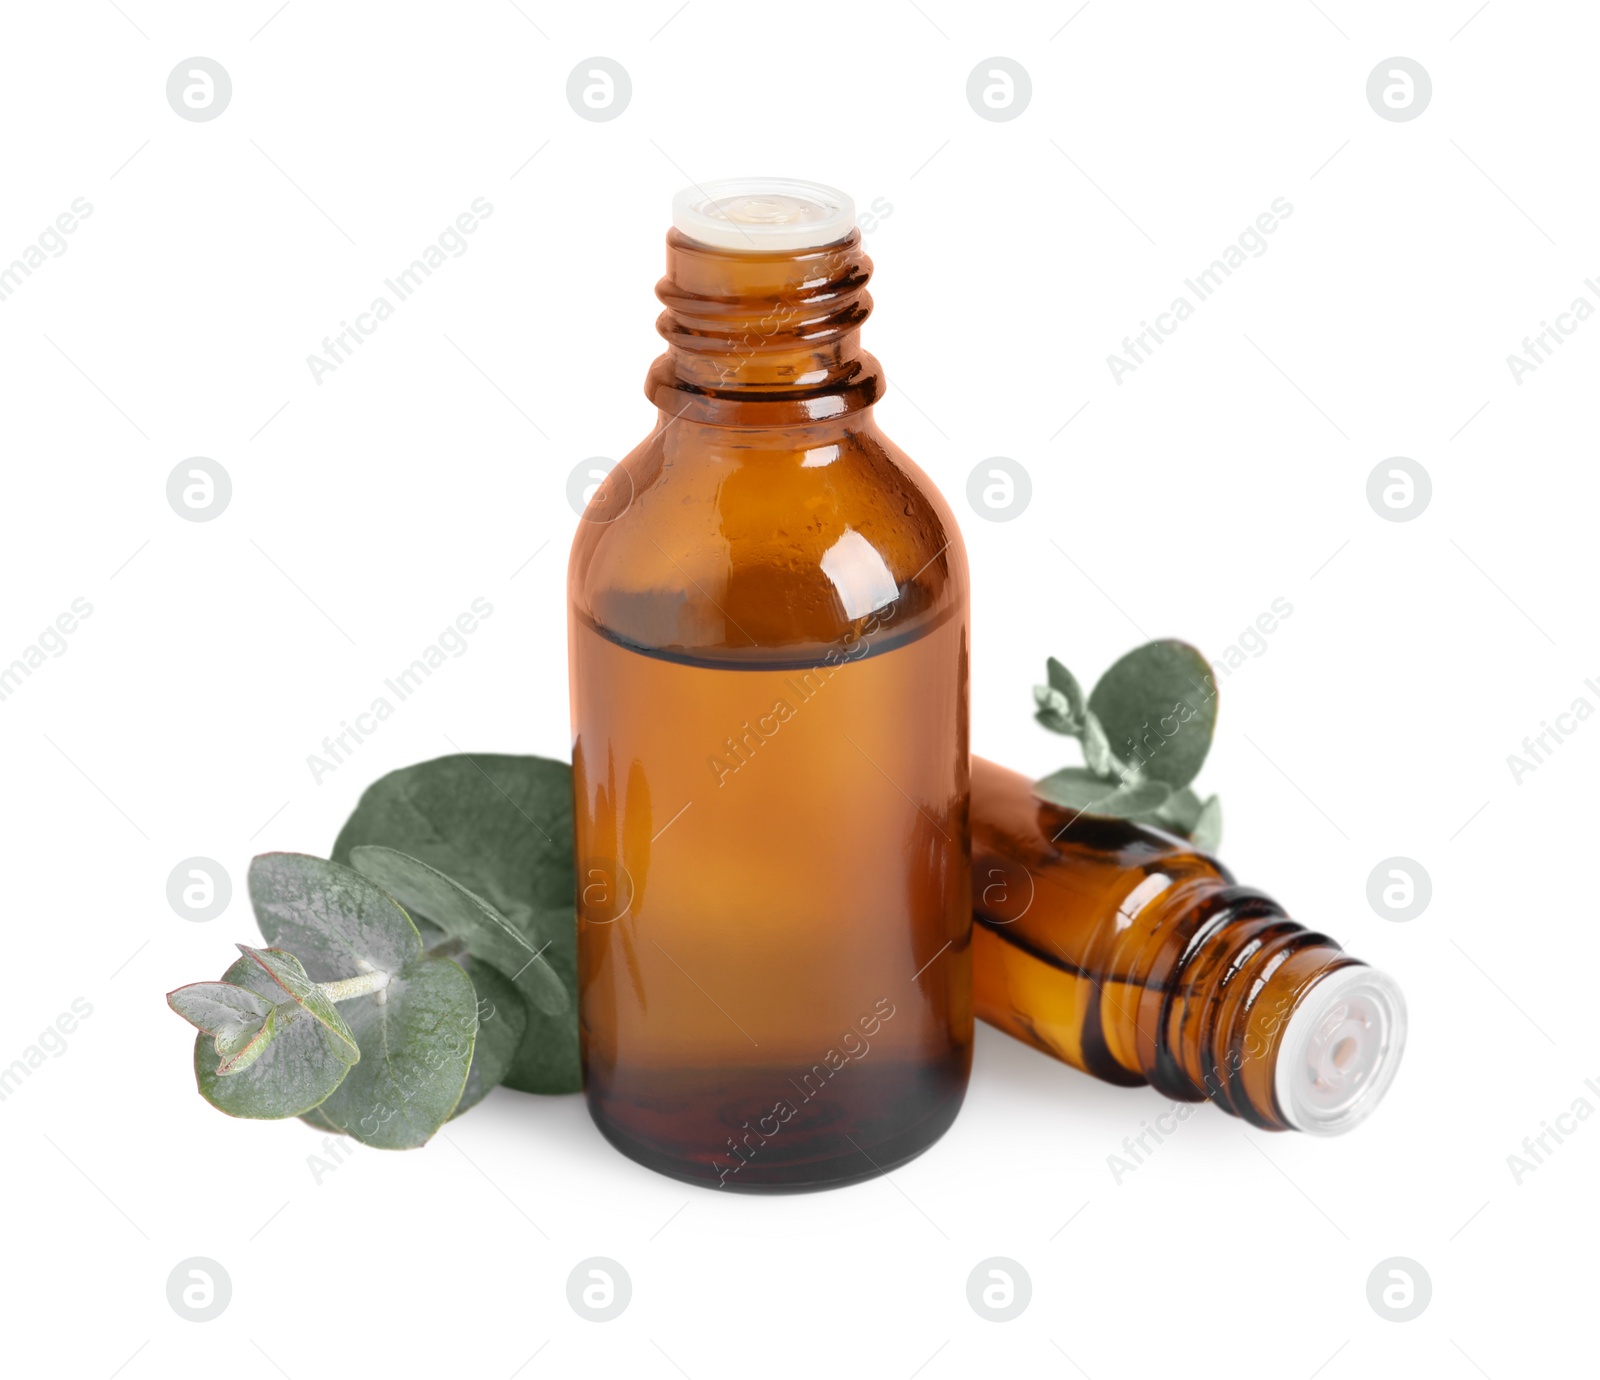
(331, 918)
(1080, 790)
(502, 1020)
(420, 1031)
(1177, 815)
(1159, 708)
(219, 1008)
(319, 1118)
(466, 916)
(1207, 832)
(298, 1068)
(502, 827)
(547, 1060)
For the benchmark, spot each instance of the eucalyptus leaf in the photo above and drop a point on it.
(420, 1025)
(466, 916)
(319, 1118)
(429, 933)
(1080, 790)
(1053, 711)
(1207, 832)
(241, 1048)
(1066, 685)
(420, 1029)
(298, 1068)
(501, 826)
(1178, 814)
(547, 1059)
(1159, 708)
(286, 971)
(236, 1037)
(335, 921)
(219, 1007)
(1097, 747)
(502, 1019)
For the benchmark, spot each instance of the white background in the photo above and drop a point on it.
(368, 511)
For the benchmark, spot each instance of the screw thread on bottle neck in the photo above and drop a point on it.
(1272, 1021)
(763, 338)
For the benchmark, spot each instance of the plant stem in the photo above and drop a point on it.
(359, 986)
(364, 983)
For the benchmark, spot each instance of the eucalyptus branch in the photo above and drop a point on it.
(1158, 706)
(457, 1008)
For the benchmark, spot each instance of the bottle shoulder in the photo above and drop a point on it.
(1066, 883)
(766, 545)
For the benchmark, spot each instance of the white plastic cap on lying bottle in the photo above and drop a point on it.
(1340, 1050)
(763, 214)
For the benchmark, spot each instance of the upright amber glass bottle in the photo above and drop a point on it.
(769, 663)
(1128, 954)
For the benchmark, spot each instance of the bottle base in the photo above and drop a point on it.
(811, 1159)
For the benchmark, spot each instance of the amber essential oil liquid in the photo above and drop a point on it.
(773, 996)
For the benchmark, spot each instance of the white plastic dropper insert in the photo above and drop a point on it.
(763, 214)
(1340, 1050)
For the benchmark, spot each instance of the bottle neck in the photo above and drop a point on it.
(763, 339)
(1221, 971)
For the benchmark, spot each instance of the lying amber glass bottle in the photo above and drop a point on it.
(768, 629)
(1126, 953)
